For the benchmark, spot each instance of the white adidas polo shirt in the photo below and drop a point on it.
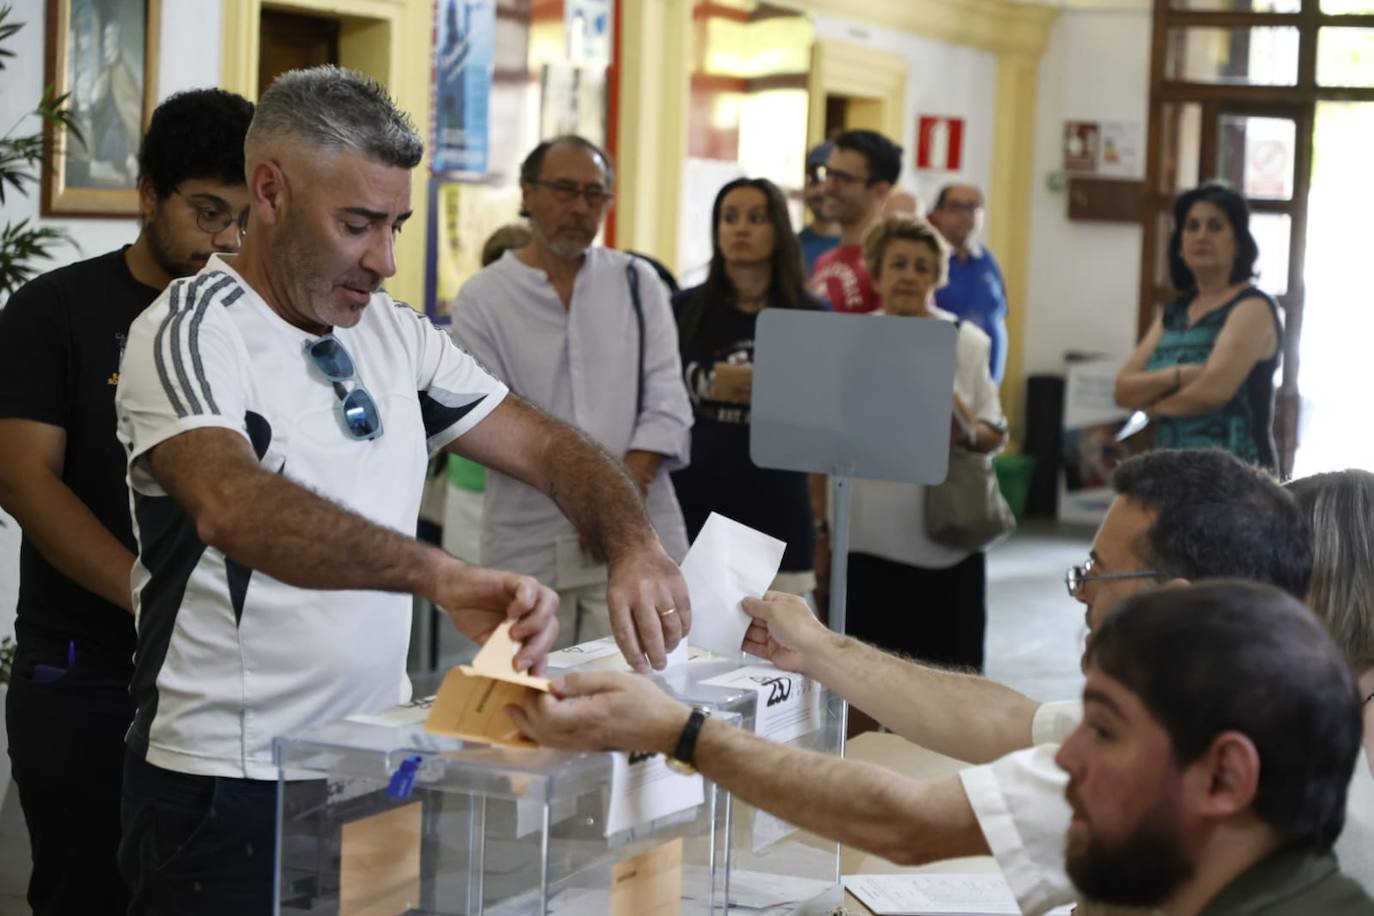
(229, 658)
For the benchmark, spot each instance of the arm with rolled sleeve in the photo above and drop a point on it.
(1019, 803)
(664, 424)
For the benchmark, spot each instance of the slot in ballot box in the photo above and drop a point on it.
(378, 816)
(769, 866)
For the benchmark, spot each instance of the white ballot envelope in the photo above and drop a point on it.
(728, 562)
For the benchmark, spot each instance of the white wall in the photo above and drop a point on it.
(190, 58)
(942, 79)
(1084, 276)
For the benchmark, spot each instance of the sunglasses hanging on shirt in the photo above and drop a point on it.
(361, 418)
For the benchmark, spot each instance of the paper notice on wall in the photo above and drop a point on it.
(789, 705)
(644, 788)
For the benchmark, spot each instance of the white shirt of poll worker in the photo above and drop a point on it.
(230, 658)
(1020, 806)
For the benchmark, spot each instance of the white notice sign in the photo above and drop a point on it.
(789, 705)
(643, 789)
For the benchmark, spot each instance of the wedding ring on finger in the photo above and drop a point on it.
(668, 613)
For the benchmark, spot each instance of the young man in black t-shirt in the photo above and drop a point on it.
(62, 476)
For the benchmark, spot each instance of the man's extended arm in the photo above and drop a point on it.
(62, 527)
(960, 715)
(601, 500)
(858, 804)
(268, 523)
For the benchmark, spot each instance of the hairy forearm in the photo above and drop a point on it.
(596, 493)
(965, 716)
(1135, 390)
(858, 804)
(69, 536)
(270, 524)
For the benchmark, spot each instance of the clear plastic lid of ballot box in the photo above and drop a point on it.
(377, 816)
(770, 866)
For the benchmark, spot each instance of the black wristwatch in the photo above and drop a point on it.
(683, 754)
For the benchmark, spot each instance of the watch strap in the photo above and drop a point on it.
(687, 741)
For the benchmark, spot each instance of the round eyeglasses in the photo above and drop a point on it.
(214, 220)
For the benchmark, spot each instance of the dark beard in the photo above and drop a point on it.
(160, 250)
(1141, 871)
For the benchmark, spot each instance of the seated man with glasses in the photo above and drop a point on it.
(588, 334)
(62, 477)
(1178, 517)
(278, 411)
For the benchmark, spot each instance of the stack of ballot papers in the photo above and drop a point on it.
(928, 894)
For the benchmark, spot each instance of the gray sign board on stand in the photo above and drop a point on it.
(852, 396)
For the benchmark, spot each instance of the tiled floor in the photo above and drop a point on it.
(1034, 632)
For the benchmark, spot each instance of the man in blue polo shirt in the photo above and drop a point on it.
(975, 291)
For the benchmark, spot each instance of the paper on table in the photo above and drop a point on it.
(936, 894)
(412, 713)
(471, 703)
(727, 563)
(644, 788)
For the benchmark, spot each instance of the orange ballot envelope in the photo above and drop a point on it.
(471, 703)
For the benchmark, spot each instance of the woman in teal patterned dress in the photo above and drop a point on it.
(1205, 370)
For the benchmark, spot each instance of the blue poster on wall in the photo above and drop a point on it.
(464, 37)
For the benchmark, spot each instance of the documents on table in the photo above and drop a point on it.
(412, 713)
(927, 894)
(727, 563)
(471, 702)
(643, 789)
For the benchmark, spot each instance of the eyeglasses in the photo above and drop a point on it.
(959, 206)
(213, 220)
(1079, 576)
(825, 173)
(361, 418)
(568, 191)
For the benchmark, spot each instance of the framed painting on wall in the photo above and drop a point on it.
(103, 55)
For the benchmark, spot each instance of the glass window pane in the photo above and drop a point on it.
(1180, 131)
(1347, 7)
(1345, 57)
(1245, 6)
(1273, 234)
(1258, 57)
(1257, 155)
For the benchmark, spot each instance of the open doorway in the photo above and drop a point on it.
(292, 41)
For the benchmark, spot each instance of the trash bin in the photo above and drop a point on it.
(1014, 471)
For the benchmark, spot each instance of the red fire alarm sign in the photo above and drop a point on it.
(939, 143)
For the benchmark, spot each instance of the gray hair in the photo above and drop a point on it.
(331, 108)
(1340, 510)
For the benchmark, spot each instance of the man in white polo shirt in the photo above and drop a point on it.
(278, 409)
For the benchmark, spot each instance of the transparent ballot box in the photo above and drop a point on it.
(769, 866)
(377, 816)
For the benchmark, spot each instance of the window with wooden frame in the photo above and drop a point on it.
(1234, 90)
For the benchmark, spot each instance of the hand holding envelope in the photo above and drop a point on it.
(472, 701)
(728, 562)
